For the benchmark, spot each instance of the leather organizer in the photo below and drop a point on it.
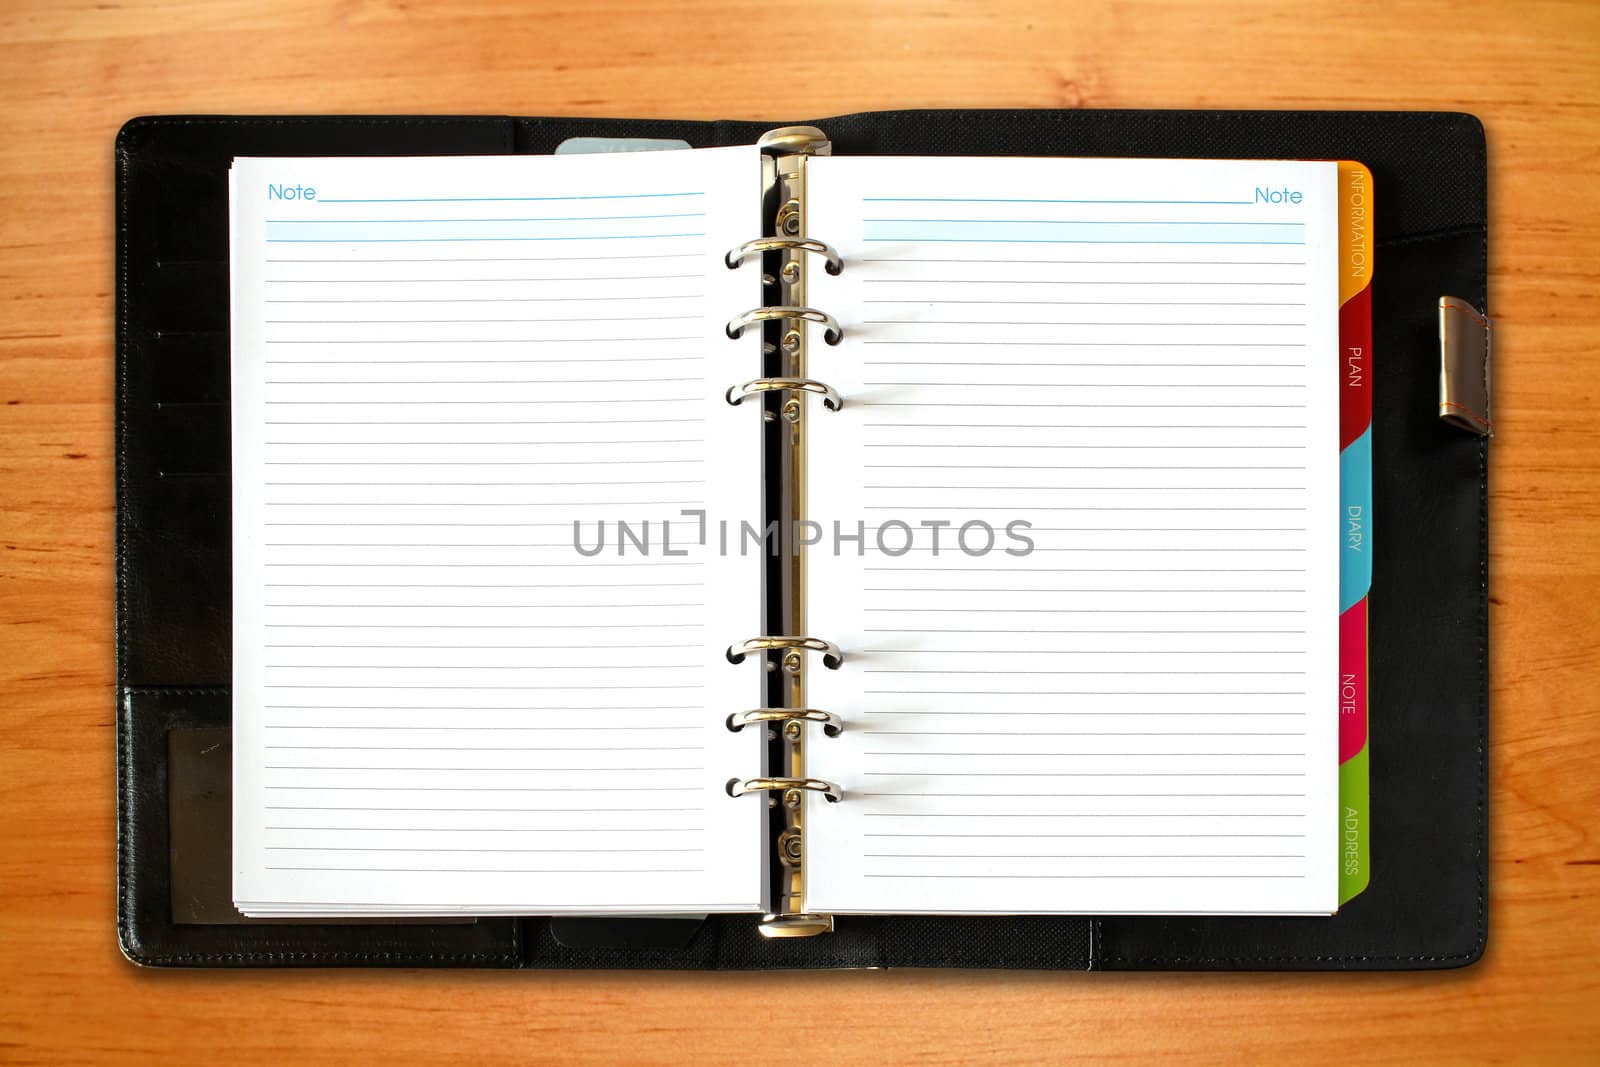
(1427, 903)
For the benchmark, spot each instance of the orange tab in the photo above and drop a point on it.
(1355, 229)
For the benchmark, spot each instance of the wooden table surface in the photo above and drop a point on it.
(72, 70)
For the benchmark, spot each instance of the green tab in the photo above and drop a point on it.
(1354, 806)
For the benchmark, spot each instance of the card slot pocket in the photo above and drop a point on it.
(187, 438)
(188, 298)
(174, 539)
(189, 368)
(191, 202)
(174, 620)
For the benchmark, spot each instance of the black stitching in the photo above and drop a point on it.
(177, 690)
(1246, 960)
(124, 772)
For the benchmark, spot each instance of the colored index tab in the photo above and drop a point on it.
(1355, 369)
(1355, 533)
(1355, 229)
(1355, 497)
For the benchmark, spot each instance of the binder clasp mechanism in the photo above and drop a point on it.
(795, 141)
(787, 251)
(795, 924)
(1465, 353)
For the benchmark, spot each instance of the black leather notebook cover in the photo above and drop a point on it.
(1427, 903)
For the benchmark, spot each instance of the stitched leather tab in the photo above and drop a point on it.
(1465, 354)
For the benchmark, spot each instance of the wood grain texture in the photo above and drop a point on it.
(72, 70)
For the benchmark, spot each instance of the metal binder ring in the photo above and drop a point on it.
(830, 399)
(832, 725)
(832, 657)
(738, 787)
(834, 263)
(833, 334)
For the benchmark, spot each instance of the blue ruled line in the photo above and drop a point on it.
(493, 199)
(435, 240)
(1077, 222)
(1056, 241)
(1005, 200)
(546, 218)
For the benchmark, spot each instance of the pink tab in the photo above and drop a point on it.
(1353, 680)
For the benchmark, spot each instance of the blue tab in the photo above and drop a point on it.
(1355, 520)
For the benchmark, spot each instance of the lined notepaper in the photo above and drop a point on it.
(1136, 359)
(440, 704)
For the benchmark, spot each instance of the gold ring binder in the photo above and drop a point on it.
(832, 334)
(832, 657)
(791, 788)
(786, 248)
(830, 398)
(833, 263)
(832, 725)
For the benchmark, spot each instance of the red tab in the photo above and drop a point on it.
(1355, 366)
(1353, 680)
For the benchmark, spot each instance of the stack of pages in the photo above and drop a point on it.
(1078, 529)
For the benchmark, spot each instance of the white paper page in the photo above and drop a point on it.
(1139, 359)
(438, 366)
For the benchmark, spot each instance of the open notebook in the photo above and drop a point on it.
(1050, 603)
